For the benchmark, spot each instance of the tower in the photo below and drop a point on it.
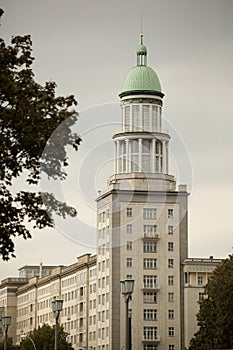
(142, 225)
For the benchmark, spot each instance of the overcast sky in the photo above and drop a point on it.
(87, 47)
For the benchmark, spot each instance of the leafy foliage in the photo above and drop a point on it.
(29, 114)
(215, 317)
(44, 338)
(10, 345)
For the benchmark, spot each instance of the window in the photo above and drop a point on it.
(129, 212)
(129, 245)
(145, 117)
(129, 277)
(170, 246)
(136, 117)
(170, 280)
(149, 230)
(170, 263)
(170, 230)
(150, 297)
(201, 297)
(150, 347)
(149, 281)
(149, 213)
(171, 314)
(170, 297)
(127, 117)
(149, 247)
(199, 280)
(150, 314)
(129, 262)
(170, 213)
(150, 333)
(171, 347)
(171, 332)
(129, 229)
(149, 263)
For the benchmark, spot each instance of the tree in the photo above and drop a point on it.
(215, 317)
(29, 114)
(10, 345)
(44, 338)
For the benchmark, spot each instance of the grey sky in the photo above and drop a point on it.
(87, 47)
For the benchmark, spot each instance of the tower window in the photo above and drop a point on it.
(171, 314)
(134, 146)
(170, 263)
(171, 331)
(170, 246)
(136, 117)
(170, 213)
(149, 263)
(129, 262)
(129, 229)
(171, 297)
(170, 280)
(150, 333)
(149, 314)
(129, 245)
(149, 213)
(129, 212)
(170, 229)
(146, 117)
(127, 118)
(149, 247)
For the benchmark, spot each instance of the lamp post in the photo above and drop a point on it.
(24, 336)
(56, 307)
(6, 321)
(127, 287)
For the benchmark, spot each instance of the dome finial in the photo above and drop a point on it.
(141, 34)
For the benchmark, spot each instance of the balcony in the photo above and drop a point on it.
(151, 287)
(150, 236)
(151, 341)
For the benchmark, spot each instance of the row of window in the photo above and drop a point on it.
(142, 117)
(149, 230)
(151, 314)
(150, 333)
(150, 246)
(149, 263)
(149, 213)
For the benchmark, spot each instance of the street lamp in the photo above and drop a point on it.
(56, 307)
(24, 336)
(6, 321)
(127, 287)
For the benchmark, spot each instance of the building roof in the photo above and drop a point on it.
(141, 78)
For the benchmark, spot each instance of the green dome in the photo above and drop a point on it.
(141, 49)
(141, 78)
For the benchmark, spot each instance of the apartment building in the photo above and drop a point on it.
(197, 273)
(86, 314)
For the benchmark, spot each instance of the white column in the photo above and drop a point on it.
(117, 156)
(127, 155)
(140, 155)
(130, 118)
(150, 119)
(167, 163)
(140, 117)
(164, 161)
(123, 119)
(153, 156)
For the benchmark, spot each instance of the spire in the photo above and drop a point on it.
(141, 52)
